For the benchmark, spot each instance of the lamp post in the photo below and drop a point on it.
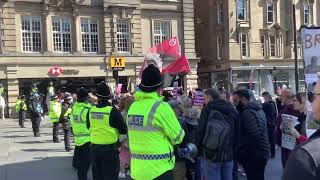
(295, 45)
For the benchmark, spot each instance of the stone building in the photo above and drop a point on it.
(72, 42)
(242, 42)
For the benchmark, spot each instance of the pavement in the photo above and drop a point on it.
(24, 157)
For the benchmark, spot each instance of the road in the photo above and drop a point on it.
(24, 157)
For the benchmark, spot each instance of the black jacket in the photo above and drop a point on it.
(269, 108)
(254, 141)
(304, 162)
(227, 109)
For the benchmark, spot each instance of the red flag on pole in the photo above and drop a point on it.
(168, 48)
(179, 66)
(144, 65)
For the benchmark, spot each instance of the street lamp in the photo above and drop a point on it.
(295, 45)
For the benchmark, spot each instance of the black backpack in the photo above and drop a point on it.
(216, 142)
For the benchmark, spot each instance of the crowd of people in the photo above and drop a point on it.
(152, 134)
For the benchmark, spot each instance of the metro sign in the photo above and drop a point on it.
(55, 71)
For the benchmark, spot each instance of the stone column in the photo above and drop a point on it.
(76, 39)
(13, 89)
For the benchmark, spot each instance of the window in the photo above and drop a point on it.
(220, 12)
(123, 35)
(307, 12)
(244, 44)
(89, 35)
(242, 9)
(161, 31)
(270, 12)
(61, 34)
(219, 47)
(272, 46)
(31, 34)
(263, 47)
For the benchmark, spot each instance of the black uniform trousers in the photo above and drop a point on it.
(166, 176)
(66, 131)
(22, 117)
(254, 168)
(36, 119)
(83, 156)
(272, 141)
(106, 163)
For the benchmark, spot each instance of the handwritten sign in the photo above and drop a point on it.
(119, 88)
(198, 98)
(288, 140)
(175, 90)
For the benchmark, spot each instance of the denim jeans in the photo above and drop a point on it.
(216, 171)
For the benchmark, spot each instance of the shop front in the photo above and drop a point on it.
(267, 79)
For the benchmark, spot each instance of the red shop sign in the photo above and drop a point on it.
(56, 70)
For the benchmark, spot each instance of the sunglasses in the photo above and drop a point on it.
(312, 96)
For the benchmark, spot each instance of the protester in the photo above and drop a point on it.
(269, 108)
(82, 153)
(304, 162)
(180, 171)
(124, 155)
(217, 138)
(153, 130)
(287, 108)
(254, 145)
(106, 124)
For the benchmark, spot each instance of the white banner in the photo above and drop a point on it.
(311, 56)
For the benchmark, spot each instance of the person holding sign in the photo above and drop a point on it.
(304, 162)
(291, 116)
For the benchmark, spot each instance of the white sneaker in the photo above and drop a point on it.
(122, 175)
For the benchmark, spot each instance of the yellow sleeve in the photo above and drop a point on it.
(166, 119)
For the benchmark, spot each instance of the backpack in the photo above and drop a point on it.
(216, 141)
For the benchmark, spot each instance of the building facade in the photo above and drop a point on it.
(245, 43)
(72, 42)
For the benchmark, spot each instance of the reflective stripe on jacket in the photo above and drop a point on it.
(153, 129)
(55, 111)
(78, 122)
(100, 130)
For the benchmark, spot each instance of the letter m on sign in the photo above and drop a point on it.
(117, 62)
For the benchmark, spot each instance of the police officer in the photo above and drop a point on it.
(36, 111)
(153, 130)
(50, 89)
(54, 114)
(21, 108)
(34, 89)
(82, 152)
(106, 124)
(65, 120)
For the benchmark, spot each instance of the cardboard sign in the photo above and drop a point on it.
(175, 90)
(198, 98)
(288, 140)
(119, 88)
(311, 58)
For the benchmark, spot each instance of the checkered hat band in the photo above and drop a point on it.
(152, 156)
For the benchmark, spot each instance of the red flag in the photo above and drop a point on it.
(144, 65)
(168, 48)
(179, 66)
